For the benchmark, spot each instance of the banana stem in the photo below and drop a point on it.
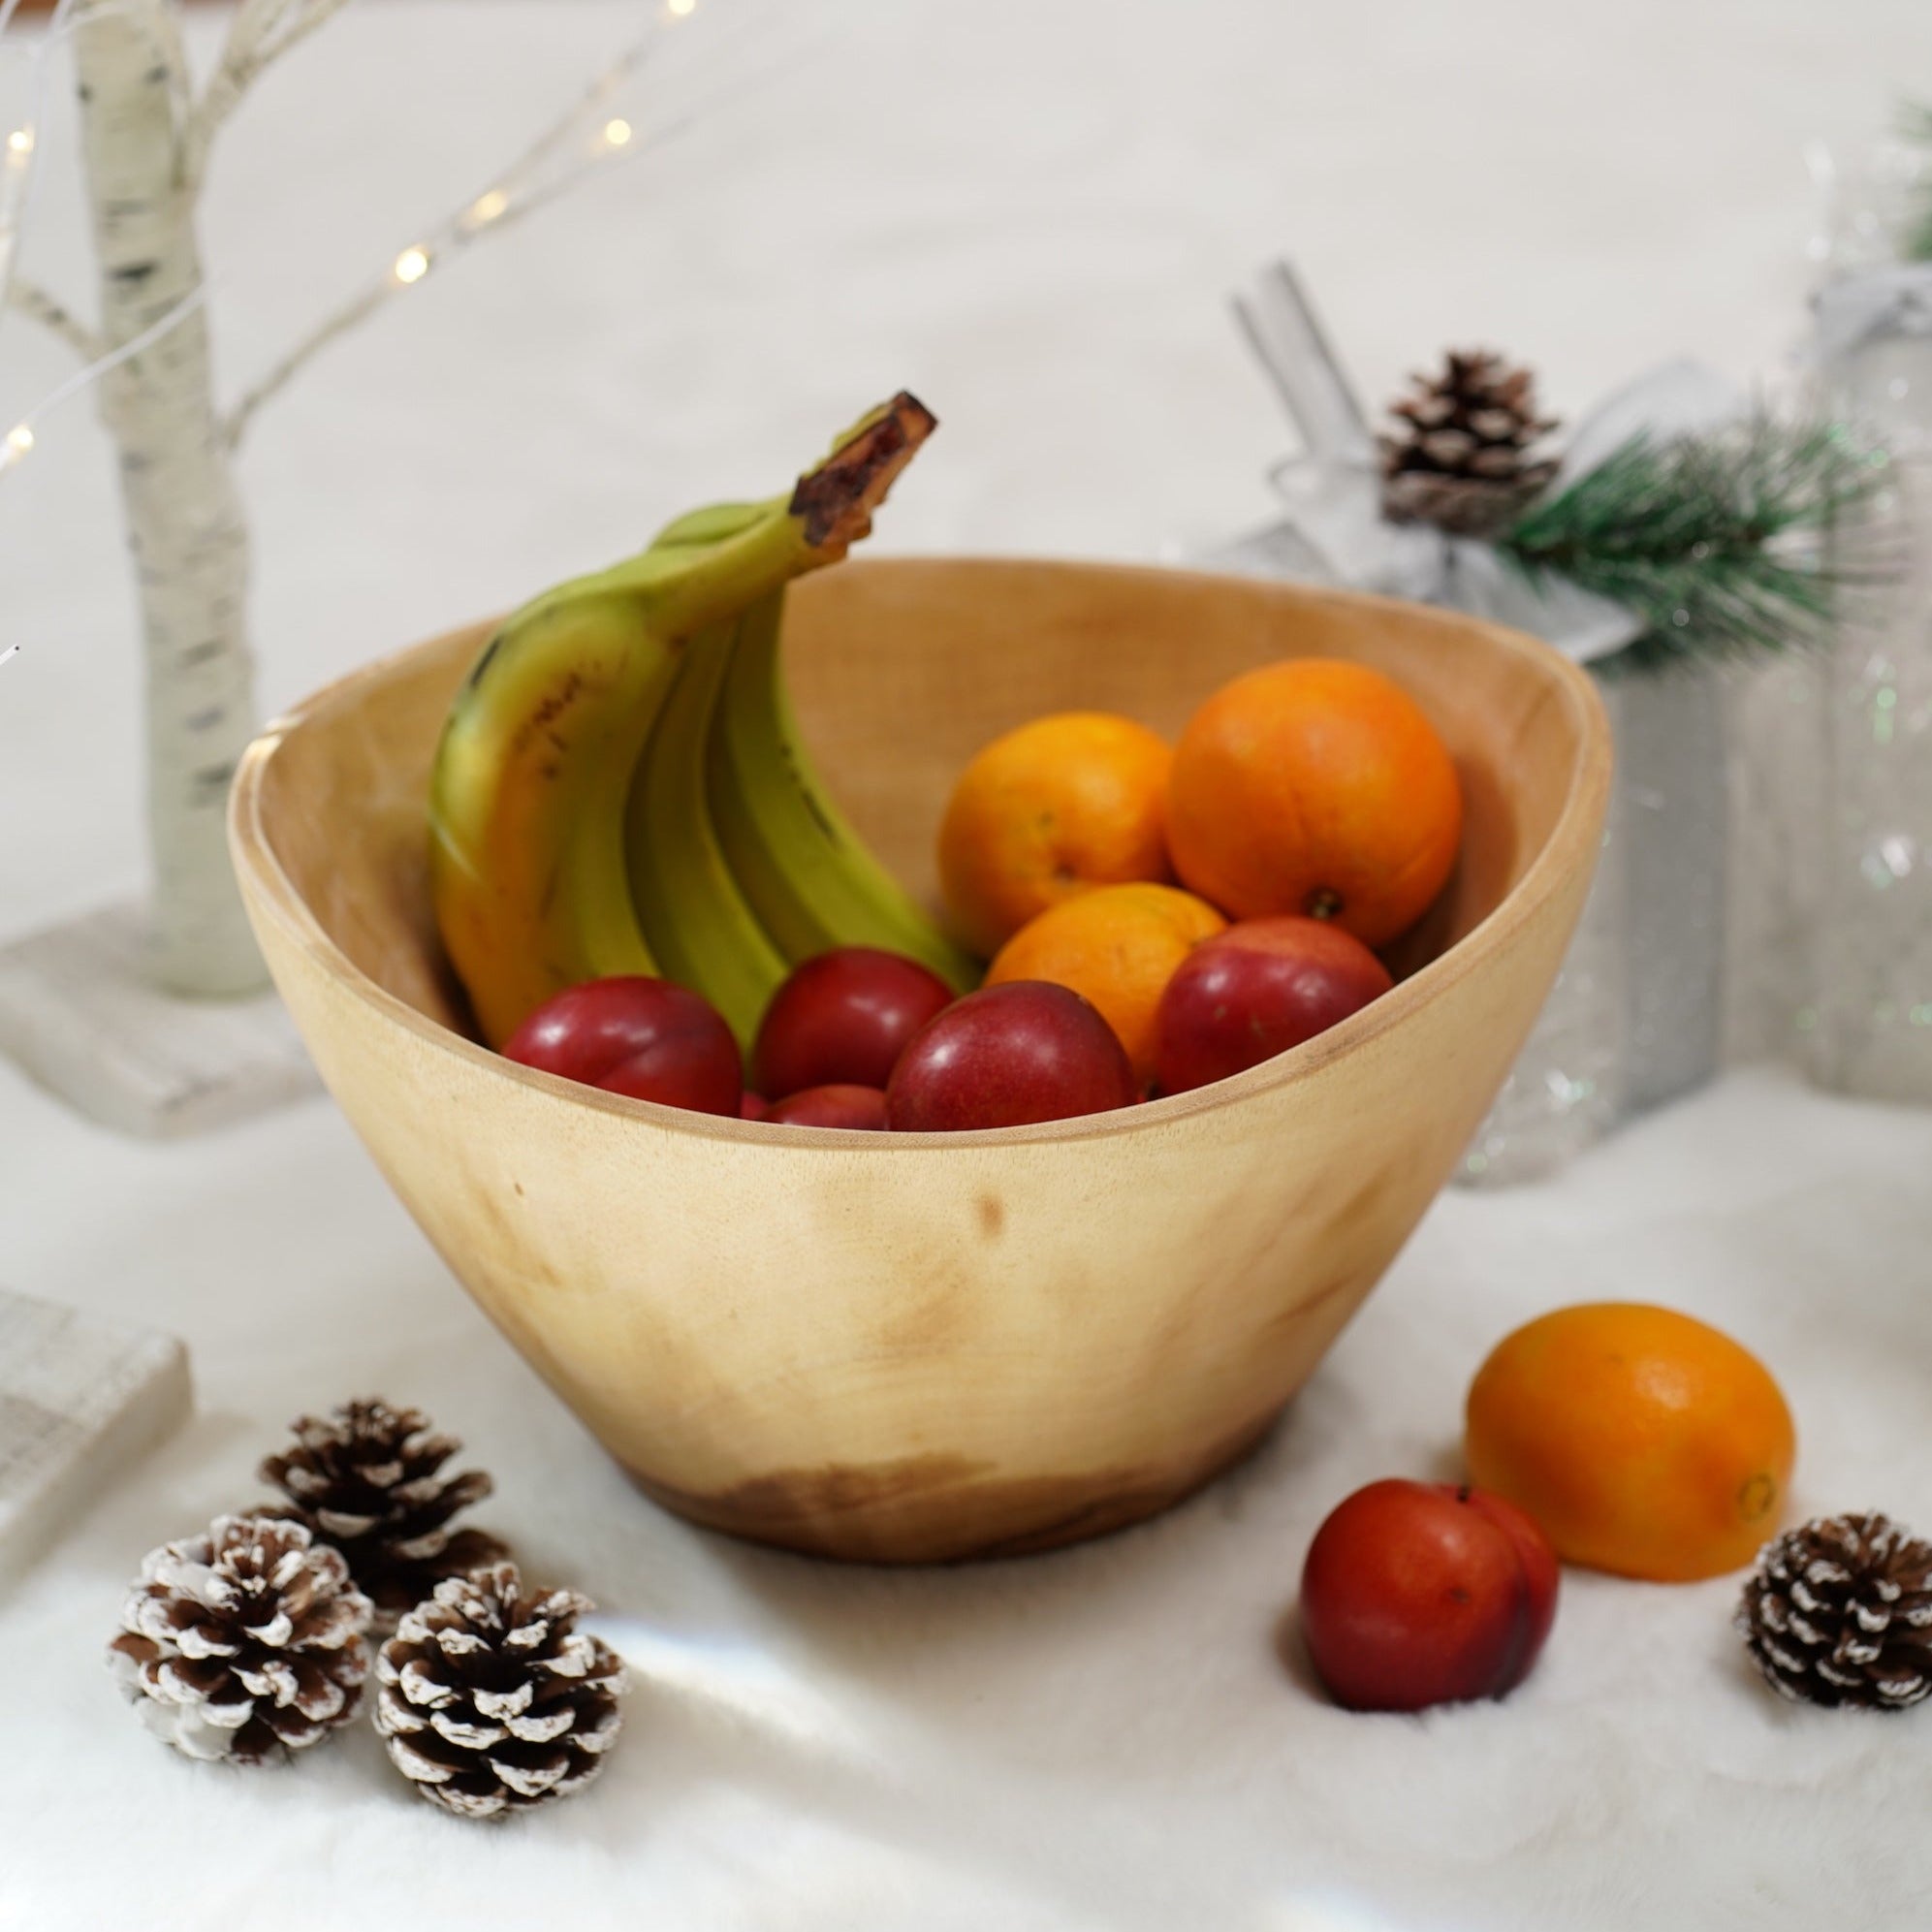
(690, 587)
(836, 500)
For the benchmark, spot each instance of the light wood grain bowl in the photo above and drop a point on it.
(929, 1346)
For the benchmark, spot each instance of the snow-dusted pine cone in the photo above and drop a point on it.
(492, 1699)
(1463, 456)
(245, 1642)
(366, 1478)
(1839, 1611)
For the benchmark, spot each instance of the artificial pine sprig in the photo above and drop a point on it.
(1711, 540)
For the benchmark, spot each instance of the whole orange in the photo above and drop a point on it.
(1319, 787)
(1119, 946)
(1643, 1441)
(1053, 809)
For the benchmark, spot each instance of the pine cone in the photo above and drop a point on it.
(1463, 462)
(364, 1478)
(1840, 1612)
(493, 1700)
(243, 1642)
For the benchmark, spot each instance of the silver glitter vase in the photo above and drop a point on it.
(1828, 914)
(1634, 1018)
(1870, 1029)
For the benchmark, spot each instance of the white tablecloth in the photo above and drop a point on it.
(1028, 211)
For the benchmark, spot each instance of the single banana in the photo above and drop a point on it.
(528, 803)
(694, 917)
(808, 875)
(526, 800)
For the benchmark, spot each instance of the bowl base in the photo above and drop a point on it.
(941, 1509)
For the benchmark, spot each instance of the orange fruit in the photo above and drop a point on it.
(1316, 787)
(1643, 1441)
(1061, 805)
(1118, 945)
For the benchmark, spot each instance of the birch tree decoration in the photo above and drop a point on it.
(148, 137)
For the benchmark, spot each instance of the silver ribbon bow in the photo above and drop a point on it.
(1333, 491)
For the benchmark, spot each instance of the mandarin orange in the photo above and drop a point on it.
(1052, 809)
(1118, 945)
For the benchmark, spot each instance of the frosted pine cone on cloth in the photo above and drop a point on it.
(368, 1478)
(1839, 1611)
(243, 1644)
(491, 1700)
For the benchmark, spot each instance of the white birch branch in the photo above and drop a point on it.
(261, 33)
(339, 323)
(32, 300)
(19, 442)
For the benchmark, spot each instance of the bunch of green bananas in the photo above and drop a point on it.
(620, 787)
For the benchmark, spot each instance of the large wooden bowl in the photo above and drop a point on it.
(905, 1347)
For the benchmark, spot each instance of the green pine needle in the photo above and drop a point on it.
(1713, 540)
(1916, 245)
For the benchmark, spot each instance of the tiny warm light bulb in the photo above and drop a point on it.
(411, 265)
(20, 140)
(617, 133)
(681, 9)
(487, 208)
(20, 440)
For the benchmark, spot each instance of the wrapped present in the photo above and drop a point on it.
(1676, 531)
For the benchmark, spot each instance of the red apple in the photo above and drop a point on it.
(752, 1106)
(643, 1037)
(1256, 990)
(1425, 1593)
(842, 1018)
(836, 1106)
(1008, 1056)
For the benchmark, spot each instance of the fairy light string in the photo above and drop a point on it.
(20, 441)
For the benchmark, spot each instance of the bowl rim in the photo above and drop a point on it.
(273, 894)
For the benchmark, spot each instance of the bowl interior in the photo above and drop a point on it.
(901, 670)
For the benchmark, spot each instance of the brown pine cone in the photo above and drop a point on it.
(243, 1644)
(366, 1479)
(1462, 459)
(1839, 1611)
(491, 1700)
